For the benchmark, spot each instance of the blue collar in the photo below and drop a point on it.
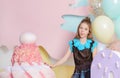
(80, 46)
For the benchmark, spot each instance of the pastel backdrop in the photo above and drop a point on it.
(50, 21)
(42, 17)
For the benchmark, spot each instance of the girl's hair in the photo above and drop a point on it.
(88, 22)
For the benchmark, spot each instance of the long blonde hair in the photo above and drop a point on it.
(88, 22)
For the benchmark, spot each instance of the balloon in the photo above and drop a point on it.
(117, 27)
(111, 8)
(103, 29)
(96, 7)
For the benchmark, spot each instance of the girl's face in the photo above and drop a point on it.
(83, 30)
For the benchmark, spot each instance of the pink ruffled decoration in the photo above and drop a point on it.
(27, 63)
(26, 53)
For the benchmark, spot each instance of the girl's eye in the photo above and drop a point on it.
(84, 28)
(81, 28)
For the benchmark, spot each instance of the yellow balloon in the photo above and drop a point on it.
(103, 29)
(44, 54)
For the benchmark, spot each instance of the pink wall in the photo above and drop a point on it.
(42, 17)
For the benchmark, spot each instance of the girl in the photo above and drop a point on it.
(83, 48)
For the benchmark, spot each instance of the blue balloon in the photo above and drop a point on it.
(117, 27)
(111, 8)
(72, 21)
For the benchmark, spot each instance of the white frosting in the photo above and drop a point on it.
(116, 52)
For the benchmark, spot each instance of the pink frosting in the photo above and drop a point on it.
(26, 53)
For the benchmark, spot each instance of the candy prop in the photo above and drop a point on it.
(106, 64)
(27, 61)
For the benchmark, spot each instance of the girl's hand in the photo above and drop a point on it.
(53, 66)
(48, 65)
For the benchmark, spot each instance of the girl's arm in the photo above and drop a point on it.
(64, 59)
(94, 52)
